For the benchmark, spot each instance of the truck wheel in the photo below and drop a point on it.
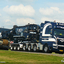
(18, 48)
(29, 48)
(15, 48)
(24, 48)
(11, 48)
(45, 49)
(35, 48)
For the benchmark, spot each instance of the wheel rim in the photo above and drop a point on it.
(18, 48)
(34, 48)
(29, 48)
(45, 49)
(11, 48)
(14, 48)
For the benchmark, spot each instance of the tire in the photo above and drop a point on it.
(34, 48)
(18, 48)
(14, 48)
(11, 48)
(29, 48)
(24, 48)
(45, 48)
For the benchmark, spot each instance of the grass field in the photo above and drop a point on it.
(13, 57)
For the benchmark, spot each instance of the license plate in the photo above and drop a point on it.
(61, 50)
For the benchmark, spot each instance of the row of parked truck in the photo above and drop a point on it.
(46, 37)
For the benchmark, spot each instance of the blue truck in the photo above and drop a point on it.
(46, 37)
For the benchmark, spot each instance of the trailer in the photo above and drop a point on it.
(47, 37)
(25, 33)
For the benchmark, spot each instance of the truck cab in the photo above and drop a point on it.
(52, 36)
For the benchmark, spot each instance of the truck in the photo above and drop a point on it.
(46, 37)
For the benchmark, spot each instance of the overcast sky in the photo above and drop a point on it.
(21, 12)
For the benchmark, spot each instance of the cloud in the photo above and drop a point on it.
(51, 10)
(24, 21)
(46, 19)
(51, 19)
(51, 14)
(9, 23)
(20, 10)
(7, 20)
(21, 0)
(27, 0)
(0, 14)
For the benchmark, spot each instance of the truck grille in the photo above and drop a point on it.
(59, 42)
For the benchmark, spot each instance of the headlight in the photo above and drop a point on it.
(54, 44)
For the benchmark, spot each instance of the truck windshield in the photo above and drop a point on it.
(59, 32)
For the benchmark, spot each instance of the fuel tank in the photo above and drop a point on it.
(4, 42)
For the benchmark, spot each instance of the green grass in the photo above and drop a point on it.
(13, 57)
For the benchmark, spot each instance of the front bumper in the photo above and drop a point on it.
(58, 48)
